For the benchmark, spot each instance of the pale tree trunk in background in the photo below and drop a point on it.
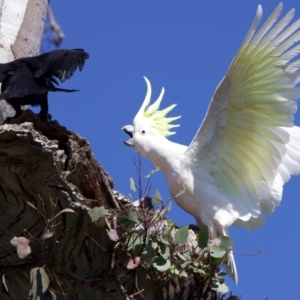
(21, 32)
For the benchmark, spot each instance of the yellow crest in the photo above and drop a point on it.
(157, 118)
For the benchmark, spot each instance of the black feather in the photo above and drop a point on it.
(27, 80)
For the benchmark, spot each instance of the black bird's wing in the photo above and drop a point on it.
(59, 63)
(27, 80)
(5, 70)
(19, 82)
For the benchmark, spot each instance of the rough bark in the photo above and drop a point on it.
(47, 170)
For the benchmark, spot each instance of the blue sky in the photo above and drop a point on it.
(185, 46)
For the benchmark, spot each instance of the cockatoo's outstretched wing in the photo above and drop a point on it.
(248, 141)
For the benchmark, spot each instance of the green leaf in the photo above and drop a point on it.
(159, 213)
(222, 273)
(166, 209)
(200, 272)
(220, 287)
(51, 295)
(56, 295)
(161, 264)
(148, 253)
(174, 271)
(128, 219)
(183, 274)
(155, 169)
(181, 235)
(226, 243)
(166, 253)
(215, 261)
(39, 281)
(137, 250)
(167, 231)
(131, 215)
(203, 236)
(132, 185)
(97, 215)
(179, 255)
(216, 251)
(221, 280)
(161, 239)
(196, 264)
(186, 264)
(164, 250)
(133, 240)
(157, 198)
(149, 248)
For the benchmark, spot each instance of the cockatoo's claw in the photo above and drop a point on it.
(129, 129)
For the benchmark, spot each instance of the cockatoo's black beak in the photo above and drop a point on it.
(129, 129)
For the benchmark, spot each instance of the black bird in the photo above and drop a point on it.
(27, 80)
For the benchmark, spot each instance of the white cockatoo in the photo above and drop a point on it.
(247, 147)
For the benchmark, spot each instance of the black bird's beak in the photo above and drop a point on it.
(129, 129)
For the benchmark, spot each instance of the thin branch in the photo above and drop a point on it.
(116, 276)
(119, 284)
(53, 274)
(139, 292)
(57, 33)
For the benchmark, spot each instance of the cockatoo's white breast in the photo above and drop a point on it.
(195, 190)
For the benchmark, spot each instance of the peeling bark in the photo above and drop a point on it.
(34, 188)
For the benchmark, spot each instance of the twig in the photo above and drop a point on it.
(137, 288)
(95, 241)
(57, 33)
(250, 254)
(53, 273)
(119, 284)
(138, 169)
(115, 275)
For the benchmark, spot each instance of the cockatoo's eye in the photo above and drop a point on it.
(143, 131)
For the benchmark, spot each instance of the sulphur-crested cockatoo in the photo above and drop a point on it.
(247, 147)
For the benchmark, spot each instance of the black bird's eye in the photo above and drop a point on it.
(143, 131)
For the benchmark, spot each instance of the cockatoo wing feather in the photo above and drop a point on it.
(248, 133)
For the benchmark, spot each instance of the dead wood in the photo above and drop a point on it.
(49, 180)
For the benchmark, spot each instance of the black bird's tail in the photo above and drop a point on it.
(63, 90)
